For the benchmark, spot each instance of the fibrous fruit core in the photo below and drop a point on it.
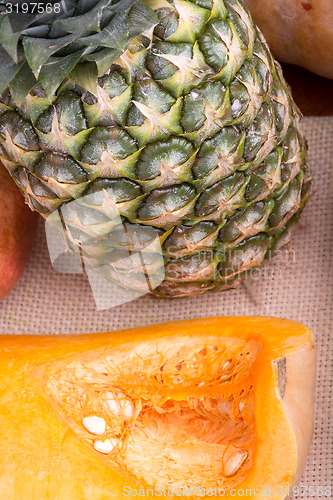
(170, 413)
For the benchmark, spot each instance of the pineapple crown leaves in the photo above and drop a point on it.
(80, 38)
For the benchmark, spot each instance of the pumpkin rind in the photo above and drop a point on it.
(298, 400)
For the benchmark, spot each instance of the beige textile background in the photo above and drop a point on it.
(297, 285)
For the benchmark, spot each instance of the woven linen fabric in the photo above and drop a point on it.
(297, 284)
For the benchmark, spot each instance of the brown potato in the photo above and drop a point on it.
(297, 32)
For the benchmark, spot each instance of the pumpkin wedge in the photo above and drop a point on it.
(219, 407)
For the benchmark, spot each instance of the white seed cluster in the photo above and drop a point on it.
(119, 405)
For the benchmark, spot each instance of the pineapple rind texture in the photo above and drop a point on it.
(192, 132)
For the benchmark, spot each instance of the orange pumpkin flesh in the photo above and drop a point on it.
(214, 403)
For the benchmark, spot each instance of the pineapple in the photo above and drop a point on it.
(166, 122)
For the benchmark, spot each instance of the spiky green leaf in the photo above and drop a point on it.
(90, 20)
(85, 75)
(22, 84)
(103, 59)
(38, 51)
(9, 69)
(8, 39)
(113, 36)
(53, 73)
(141, 18)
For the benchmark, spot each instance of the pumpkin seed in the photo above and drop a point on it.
(94, 425)
(106, 446)
(232, 463)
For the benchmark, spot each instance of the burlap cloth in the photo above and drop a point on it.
(298, 286)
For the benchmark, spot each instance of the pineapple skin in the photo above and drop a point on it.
(192, 137)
